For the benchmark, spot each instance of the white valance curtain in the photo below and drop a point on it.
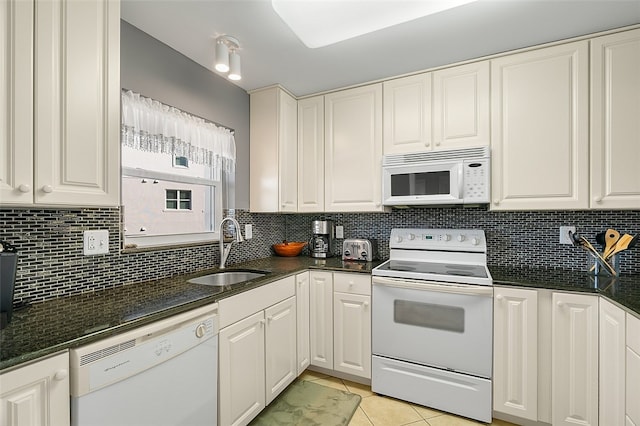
(151, 126)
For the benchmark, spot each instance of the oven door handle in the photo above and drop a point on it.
(470, 290)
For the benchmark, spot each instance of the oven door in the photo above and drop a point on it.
(423, 184)
(448, 326)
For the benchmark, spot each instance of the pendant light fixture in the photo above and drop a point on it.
(227, 58)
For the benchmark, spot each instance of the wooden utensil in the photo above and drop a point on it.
(623, 243)
(611, 237)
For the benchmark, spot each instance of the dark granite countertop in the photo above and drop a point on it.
(45, 328)
(624, 290)
(48, 327)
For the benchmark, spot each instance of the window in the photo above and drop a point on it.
(174, 165)
(178, 199)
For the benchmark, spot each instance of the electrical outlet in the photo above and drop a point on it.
(96, 242)
(339, 231)
(248, 231)
(565, 238)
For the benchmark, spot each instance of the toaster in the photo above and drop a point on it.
(358, 249)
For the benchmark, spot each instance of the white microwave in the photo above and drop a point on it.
(460, 176)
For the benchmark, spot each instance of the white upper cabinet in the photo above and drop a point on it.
(539, 129)
(16, 102)
(407, 114)
(444, 109)
(68, 154)
(353, 150)
(461, 114)
(311, 155)
(273, 151)
(615, 111)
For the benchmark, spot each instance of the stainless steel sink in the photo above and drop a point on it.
(227, 277)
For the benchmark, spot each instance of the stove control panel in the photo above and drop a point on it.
(438, 239)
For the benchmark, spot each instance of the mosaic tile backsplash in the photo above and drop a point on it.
(51, 263)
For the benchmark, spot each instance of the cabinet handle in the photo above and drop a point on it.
(499, 297)
(366, 304)
(269, 318)
(24, 188)
(47, 188)
(496, 201)
(262, 322)
(60, 375)
(560, 303)
(597, 199)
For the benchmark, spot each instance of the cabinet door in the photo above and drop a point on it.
(288, 152)
(615, 90)
(280, 347)
(574, 359)
(311, 154)
(633, 371)
(303, 314)
(16, 102)
(539, 129)
(353, 150)
(37, 394)
(321, 318)
(77, 102)
(612, 346)
(352, 334)
(242, 370)
(407, 114)
(461, 106)
(515, 352)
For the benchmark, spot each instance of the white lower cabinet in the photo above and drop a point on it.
(515, 352)
(612, 337)
(340, 323)
(352, 324)
(574, 357)
(321, 318)
(633, 372)
(36, 394)
(257, 349)
(303, 314)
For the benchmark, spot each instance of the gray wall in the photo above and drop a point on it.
(155, 70)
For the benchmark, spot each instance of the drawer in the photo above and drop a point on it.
(633, 333)
(235, 308)
(352, 283)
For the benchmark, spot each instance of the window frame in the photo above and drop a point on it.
(150, 241)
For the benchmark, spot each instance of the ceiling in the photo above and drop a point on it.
(272, 54)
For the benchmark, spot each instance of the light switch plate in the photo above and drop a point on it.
(96, 242)
(248, 231)
(339, 231)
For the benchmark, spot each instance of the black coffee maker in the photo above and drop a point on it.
(323, 242)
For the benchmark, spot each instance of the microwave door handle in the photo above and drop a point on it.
(460, 181)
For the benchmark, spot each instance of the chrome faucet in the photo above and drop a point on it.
(224, 251)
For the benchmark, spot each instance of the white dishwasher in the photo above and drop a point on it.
(162, 374)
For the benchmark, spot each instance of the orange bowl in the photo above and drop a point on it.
(289, 248)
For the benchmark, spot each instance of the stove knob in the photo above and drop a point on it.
(398, 239)
(411, 237)
(363, 255)
(475, 241)
(446, 237)
(347, 253)
(461, 238)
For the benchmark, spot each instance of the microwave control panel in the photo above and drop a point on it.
(477, 178)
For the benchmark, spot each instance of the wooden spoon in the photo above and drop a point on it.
(611, 237)
(623, 243)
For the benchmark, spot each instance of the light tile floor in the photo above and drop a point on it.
(376, 410)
